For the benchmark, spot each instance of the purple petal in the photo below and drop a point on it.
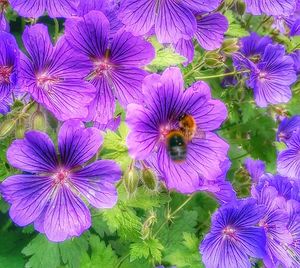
(270, 7)
(127, 83)
(67, 216)
(89, 35)
(202, 5)
(29, 8)
(138, 16)
(28, 195)
(208, 114)
(186, 49)
(256, 168)
(130, 50)
(206, 154)
(77, 144)
(288, 163)
(96, 183)
(174, 21)
(35, 153)
(37, 42)
(210, 31)
(143, 134)
(102, 108)
(61, 8)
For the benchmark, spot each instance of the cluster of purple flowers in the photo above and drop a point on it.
(100, 60)
(266, 225)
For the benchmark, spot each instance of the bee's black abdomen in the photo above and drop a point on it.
(176, 147)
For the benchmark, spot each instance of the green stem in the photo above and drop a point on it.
(56, 29)
(173, 214)
(122, 260)
(221, 75)
(239, 157)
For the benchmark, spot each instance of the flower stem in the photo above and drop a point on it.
(56, 29)
(221, 75)
(173, 214)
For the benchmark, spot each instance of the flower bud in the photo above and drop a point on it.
(131, 180)
(149, 179)
(230, 46)
(38, 121)
(214, 59)
(7, 127)
(20, 129)
(240, 7)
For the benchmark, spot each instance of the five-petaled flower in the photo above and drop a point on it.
(51, 190)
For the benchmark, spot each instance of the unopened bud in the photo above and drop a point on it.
(20, 129)
(230, 46)
(240, 7)
(149, 178)
(38, 121)
(131, 180)
(6, 127)
(214, 59)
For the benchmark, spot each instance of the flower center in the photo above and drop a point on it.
(262, 75)
(61, 177)
(45, 80)
(5, 73)
(229, 232)
(164, 130)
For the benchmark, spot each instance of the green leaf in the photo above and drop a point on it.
(123, 220)
(235, 29)
(149, 249)
(71, 251)
(187, 254)
(42, 253)
(115, 148)
(101, 255)
(165, 57)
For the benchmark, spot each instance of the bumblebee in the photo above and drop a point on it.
(188, 127)
(176, 145)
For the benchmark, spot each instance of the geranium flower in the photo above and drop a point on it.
(234, 236)
(114, 62)
(52, 75)
(50, 193)
(287, 127)
(165, 103)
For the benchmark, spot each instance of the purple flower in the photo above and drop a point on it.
(50, 193)
(53, 76)
(234, 236)
(152, 125)
(270, 77)
(287, 127)
(274, 222)
(288, 161)
(113, 62)
(271, 7)
(173, 20)
(9, 64)
(256, 168)
(36, 8)
(209, 34)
